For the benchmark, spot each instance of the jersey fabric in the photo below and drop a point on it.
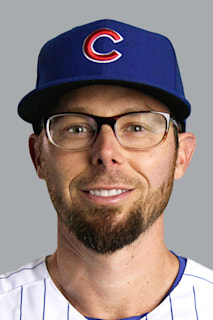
(30, 294)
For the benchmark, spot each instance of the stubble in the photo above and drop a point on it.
(106, 229)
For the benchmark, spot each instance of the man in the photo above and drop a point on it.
(109, 116)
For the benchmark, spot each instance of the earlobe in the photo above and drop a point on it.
(35, 154)
(187, 143)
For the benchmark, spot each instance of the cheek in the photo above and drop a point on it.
(62, 167)
(154, 166)
(163, 169)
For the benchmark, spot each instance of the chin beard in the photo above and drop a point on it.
(101, 231)
(102, 234)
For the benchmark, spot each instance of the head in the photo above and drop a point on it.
(113, 182)
(107, 194)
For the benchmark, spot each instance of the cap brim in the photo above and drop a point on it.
(37, 102)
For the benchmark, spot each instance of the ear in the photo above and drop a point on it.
(35, 154)
(187, 143)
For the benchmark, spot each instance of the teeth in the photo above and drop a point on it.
(107, 193)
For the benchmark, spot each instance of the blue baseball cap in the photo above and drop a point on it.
(106, 52)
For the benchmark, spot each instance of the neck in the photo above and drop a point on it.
(130, 282)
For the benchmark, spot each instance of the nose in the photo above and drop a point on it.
(106, 150)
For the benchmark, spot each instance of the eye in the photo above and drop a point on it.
(135, 128)
(78, 129)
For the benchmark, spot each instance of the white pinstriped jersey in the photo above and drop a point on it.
(30, 294)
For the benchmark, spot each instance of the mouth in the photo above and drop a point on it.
(106, 196)
(107, 193)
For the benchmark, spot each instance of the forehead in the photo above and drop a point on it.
(108, 100)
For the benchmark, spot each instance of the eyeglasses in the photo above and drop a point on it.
(137, 130)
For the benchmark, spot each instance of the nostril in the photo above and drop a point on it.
(100, 161)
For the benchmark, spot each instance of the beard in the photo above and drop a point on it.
(106, 229)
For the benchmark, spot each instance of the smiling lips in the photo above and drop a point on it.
(107, 193)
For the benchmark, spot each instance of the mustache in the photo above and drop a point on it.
(104, 177)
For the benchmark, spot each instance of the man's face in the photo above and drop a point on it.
(106, 195)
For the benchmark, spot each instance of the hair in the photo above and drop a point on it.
(38, 126)
(176, 130)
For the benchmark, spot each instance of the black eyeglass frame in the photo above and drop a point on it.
(111, 121)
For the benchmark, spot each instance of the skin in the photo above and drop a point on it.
(134, 279)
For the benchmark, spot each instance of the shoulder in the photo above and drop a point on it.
(32, 272)
(196, 285)
(198, 273)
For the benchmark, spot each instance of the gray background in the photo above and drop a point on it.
(28, 220)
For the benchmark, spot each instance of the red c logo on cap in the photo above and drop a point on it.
(91, 54)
